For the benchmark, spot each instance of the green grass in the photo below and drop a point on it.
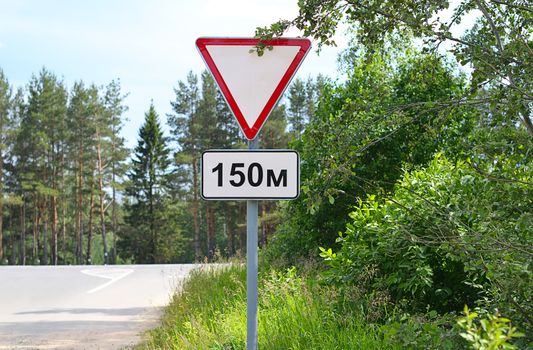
(294, 313)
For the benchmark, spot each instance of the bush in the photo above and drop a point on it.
(447, 237)
(493, 332)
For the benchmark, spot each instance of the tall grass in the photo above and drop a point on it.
(210, 313)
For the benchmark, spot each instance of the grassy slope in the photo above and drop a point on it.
(210, 313)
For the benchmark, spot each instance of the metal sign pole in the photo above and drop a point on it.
(251, 266)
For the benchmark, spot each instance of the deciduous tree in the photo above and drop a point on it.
(497, 48)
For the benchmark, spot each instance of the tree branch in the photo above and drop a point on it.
(520, 7)
(497, 179)
(525, 118)
(489, 19)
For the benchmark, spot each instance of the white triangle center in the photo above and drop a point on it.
(252, 79)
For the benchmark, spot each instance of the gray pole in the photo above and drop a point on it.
(251, 266)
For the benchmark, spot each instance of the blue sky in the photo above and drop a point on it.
(149, 45)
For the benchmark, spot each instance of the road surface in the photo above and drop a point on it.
(82, 307)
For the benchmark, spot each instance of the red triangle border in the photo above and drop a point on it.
(251, 131)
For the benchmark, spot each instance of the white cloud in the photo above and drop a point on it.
(1, 45)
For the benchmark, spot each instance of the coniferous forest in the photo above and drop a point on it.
(72, 193)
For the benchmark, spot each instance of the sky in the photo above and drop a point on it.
(148, 45)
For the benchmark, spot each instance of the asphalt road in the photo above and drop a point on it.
(83, 307)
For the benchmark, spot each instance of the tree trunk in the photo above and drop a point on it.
(12, 243)
(45, 234)
(242, 230)
(210, 234)
(114, 201)
(213, 232)
(101, 198)
(34, 238)
(262, 223)
(54, 230)
(45, 208)
(102, 224)
(23, 233)
(207, 236)
(63, 208)
(152, 226)
(55, 151)
(114, 219)
(230, 232)
(79, 219)
(88, 260)
(1, 207)
(64, 232)
(197, 251)
(37, 229)
(1, 228)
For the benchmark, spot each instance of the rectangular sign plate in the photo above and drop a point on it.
(250, 174)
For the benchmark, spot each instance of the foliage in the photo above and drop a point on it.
(491, 333)
(386, 115)
(446, 237)
(432, 236)
(497, 48)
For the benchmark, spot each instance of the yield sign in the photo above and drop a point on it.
(252, 84)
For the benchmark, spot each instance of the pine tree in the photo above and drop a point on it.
(55, 111)
(274, 134)
(303, 97)
(5, 102)
(18, 111)
(37, 148)
(201, 121)
(113, 102)
(93, 157)
(209, 136)
(147, 190)
(81, 123)
(297, 107)
(229, 133)
(57, 162)
(185, 132)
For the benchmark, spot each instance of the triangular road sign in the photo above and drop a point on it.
(252, 84)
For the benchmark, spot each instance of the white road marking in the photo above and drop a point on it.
(112, 274)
